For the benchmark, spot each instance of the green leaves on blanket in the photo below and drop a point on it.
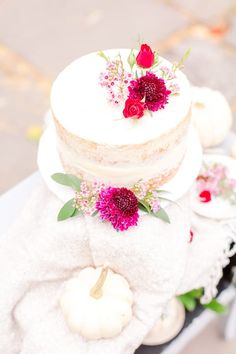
(87, 194)
(69, 209)
(67, 180)
(160, 214)
(191, 299)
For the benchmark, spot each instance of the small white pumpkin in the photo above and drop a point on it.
(168, 326)
(211, 115)
(233, 149)
(97, 303)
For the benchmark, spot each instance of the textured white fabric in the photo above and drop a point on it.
(39, 254)
(208, 254)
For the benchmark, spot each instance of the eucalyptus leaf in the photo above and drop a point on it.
(162, 214)
(67, 211)
(188, 301)
(216, 306)
(76, 212)
(67, 180)
(144, 206)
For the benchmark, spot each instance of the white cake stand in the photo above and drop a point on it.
(49, 163)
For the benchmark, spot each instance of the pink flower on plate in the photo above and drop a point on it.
(119, 206)
(205, 196)
(232, 183)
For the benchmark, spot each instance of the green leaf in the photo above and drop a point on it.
(162, 191)
(67, 180)
(196, 293)
(95, 213)
(131, 59)
(162, 214)
(76, 212)
(103, 55)
(216, 306)
(156, 58)
(144, 206)
(68, 210)
(180, 64)
(189, 302)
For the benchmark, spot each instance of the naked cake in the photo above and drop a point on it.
(98, 138)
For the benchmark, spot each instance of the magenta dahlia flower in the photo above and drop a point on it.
(150, 88)
(119, 206)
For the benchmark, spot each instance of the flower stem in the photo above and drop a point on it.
(96, 290)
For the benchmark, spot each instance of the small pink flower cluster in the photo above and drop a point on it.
(85, 199)
(167, 73)
(210, 178)
(150, 196)
(115, 80)
(174, 88)
(214, 180)
(154, 202)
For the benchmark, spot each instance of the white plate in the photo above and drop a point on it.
(168, 327)
(218, 208)
(49, 163)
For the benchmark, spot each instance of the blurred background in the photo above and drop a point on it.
(38, 38)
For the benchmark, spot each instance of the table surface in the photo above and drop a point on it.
(11, 204)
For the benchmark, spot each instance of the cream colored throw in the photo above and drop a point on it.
(38, 254)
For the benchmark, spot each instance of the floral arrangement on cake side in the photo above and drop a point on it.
(118, 205)
(146, 87)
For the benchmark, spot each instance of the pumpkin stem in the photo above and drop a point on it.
(96, 290)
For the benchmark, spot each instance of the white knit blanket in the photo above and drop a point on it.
(38, 254)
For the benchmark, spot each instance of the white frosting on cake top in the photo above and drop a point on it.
(80, 104)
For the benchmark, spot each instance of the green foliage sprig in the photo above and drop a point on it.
(191, 299)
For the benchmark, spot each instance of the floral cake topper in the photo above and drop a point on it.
(118, 205)
(146, 87)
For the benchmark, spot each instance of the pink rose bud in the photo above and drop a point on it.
(145, 57)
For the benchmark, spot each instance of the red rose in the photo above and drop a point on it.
(145, 57)
(133, 108)
(205, 196)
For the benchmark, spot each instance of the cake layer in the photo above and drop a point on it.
(95, 141)
(123, 164)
